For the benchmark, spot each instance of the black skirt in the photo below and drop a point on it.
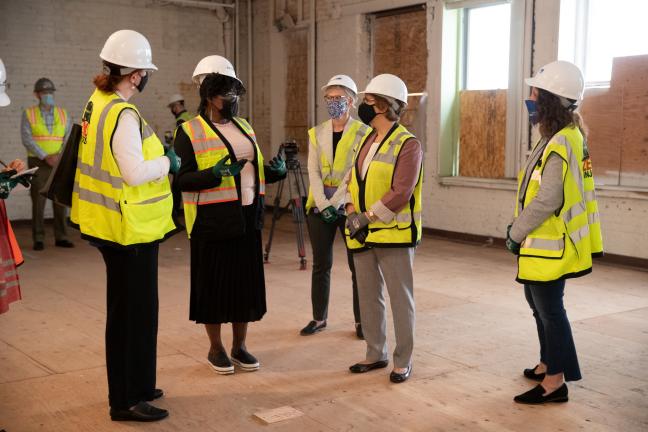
(227, 279)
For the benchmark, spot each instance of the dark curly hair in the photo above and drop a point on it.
(554, 116)
(217, 85)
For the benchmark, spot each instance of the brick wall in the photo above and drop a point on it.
(61, 39)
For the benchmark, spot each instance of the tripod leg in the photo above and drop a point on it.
(276, 214)
(298, 214)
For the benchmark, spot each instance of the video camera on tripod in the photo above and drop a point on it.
(289, 150)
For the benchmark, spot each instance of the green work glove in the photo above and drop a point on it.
(329, 214)
(7, 183)
(174, 160)
(278, 165)
(511, 244)
(223, 170)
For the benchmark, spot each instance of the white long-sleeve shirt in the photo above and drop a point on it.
(127, 149)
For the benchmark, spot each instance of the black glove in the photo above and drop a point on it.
(511, 244)
(355, 223)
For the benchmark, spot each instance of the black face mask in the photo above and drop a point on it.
(366, 113)
(142, 83)
(230, 109)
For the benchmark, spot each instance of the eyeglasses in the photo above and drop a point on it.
(334, 98)
(231, 97)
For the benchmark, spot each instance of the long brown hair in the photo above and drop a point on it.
(554, 116)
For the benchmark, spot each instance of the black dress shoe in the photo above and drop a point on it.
(535, 396)
(398, 378)
(142, 412)
(157, 394)
(366, 367)
(359, 333)
(39, 245)
(64, 243)
(312, 328)
(532, 375)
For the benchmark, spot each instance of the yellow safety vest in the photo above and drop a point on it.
(333, 174)
(51, 143)
(184, 116)
(104, 207)
(209, 148)
(405, 230)
(563, 245)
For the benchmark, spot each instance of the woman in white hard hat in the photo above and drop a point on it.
(556, 230)
(223, 179)
(122, 204)
(332, 148)
(384, 224)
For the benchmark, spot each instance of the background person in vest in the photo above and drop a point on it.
(557, 228)
(122, 203)
(177, 107)
(44, 129)
(223, 182)
(384, 224)
(332, 148)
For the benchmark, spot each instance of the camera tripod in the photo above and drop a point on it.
(297, 193)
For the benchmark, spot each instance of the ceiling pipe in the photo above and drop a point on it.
(197, 4)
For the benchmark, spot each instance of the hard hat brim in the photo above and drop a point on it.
(4, 99)
(381, 94)
(338, 85)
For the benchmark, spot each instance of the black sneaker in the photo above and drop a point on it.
(64, 244)
(221, 363)
(245, 361)
(312, 328)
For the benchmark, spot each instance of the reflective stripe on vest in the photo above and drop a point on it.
(103, 205)
(49, 142)
(406, 228)
(562, 246)
(209, 149)
(333, 174)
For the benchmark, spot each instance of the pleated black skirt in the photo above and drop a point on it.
(227, 278)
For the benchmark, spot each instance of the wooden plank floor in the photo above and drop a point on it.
(474, 336)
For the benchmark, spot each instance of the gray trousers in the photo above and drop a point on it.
(391, 267)
(38, 204)
(322, 236)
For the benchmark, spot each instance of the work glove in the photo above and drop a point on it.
(7, 183)
(511, 244)
(329, 214)
(356, 222)
(174, 160)
(223, 170)
(278, 165)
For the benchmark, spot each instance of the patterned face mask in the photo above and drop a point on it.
(337, 108)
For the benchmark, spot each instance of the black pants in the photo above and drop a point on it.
(322, 236)
(132, 323)
(557, 349)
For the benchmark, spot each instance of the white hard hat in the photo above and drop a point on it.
(342, 80)
(213, 64)
(175, 98)
(561, 78)
(128, 48)
(387, 85)
(4, 97)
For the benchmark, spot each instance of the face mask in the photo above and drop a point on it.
(366, 113)
(47, 99)
(142, 83)
(230, 108)
(532, 107)
(337, 109)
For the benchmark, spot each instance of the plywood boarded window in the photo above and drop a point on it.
(400, 48)
(617, 120)
(296, 124)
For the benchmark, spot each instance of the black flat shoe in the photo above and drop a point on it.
(64, 243)
(312, 328)
(157, 394)
(220, 363)
(245, 361)
(359, 333)
(398, 378)
(535, 396)
(532, 375)
(366, 367)
(142, 412)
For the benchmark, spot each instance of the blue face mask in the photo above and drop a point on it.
(337, 109)
(532, 107)
(47, 99)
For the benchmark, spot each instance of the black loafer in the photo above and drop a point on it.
(312, 328)
(64, 243)
(142, 412)
(157, 394)
(359, 333)
(532, 375)
(39, 245)
(220, 363)
(245, 361)
(535, 396)
(366, 367)
(398, 378)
